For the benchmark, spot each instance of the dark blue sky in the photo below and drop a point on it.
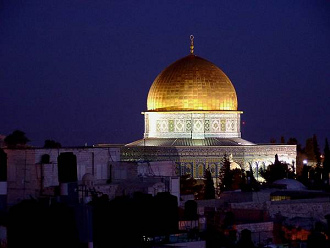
(79, 71)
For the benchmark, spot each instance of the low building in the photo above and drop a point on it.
(34, 172)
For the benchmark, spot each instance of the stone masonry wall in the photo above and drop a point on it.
(28, 177)
(313, 208)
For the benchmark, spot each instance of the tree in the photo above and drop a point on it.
(252, 183)
(294, 141)
(316, 151)
(300, 157)
(238, 179)
(225, 179)
(326, 161)
(16, 139)
(230, 179)
(315, 177)
(209, 192)
(277, 170)
(309, 149)
(52, 144)
(303, 178)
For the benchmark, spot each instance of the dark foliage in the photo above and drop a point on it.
(225, 176)
(294, 141)
(252, 183)
(209, 190)
(52, 144)
(238, 179)
(303, 178)
(326, 161)
(277, 170)
(317, 153)
(16, 139)
(315, 177)
(231, 179)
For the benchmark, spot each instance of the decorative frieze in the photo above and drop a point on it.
(196, 125)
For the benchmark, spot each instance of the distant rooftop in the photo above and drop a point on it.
(290, 184)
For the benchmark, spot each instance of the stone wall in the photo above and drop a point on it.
(313, 208)
(32, 174)
(29, 176)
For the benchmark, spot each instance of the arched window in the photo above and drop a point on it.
(200, 170)
(213, 170)
(189, 169)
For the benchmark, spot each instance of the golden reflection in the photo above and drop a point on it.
(192, 83)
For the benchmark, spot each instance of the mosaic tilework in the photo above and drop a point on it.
(215, 126)
(188, 126)
(197, 125)
(230, 125)
(207, 125)
(171, 125)
(223, 125)
(162, 126)
(179, 125)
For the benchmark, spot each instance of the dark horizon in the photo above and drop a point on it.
(79, 72)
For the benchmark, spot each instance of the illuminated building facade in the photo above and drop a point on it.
(192, 118)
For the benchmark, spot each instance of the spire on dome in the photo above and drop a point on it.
(191, 44)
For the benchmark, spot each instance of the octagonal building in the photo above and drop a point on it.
(192, 118)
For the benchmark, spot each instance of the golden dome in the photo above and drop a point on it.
(192, 84)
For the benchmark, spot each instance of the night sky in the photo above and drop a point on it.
(78, 71)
